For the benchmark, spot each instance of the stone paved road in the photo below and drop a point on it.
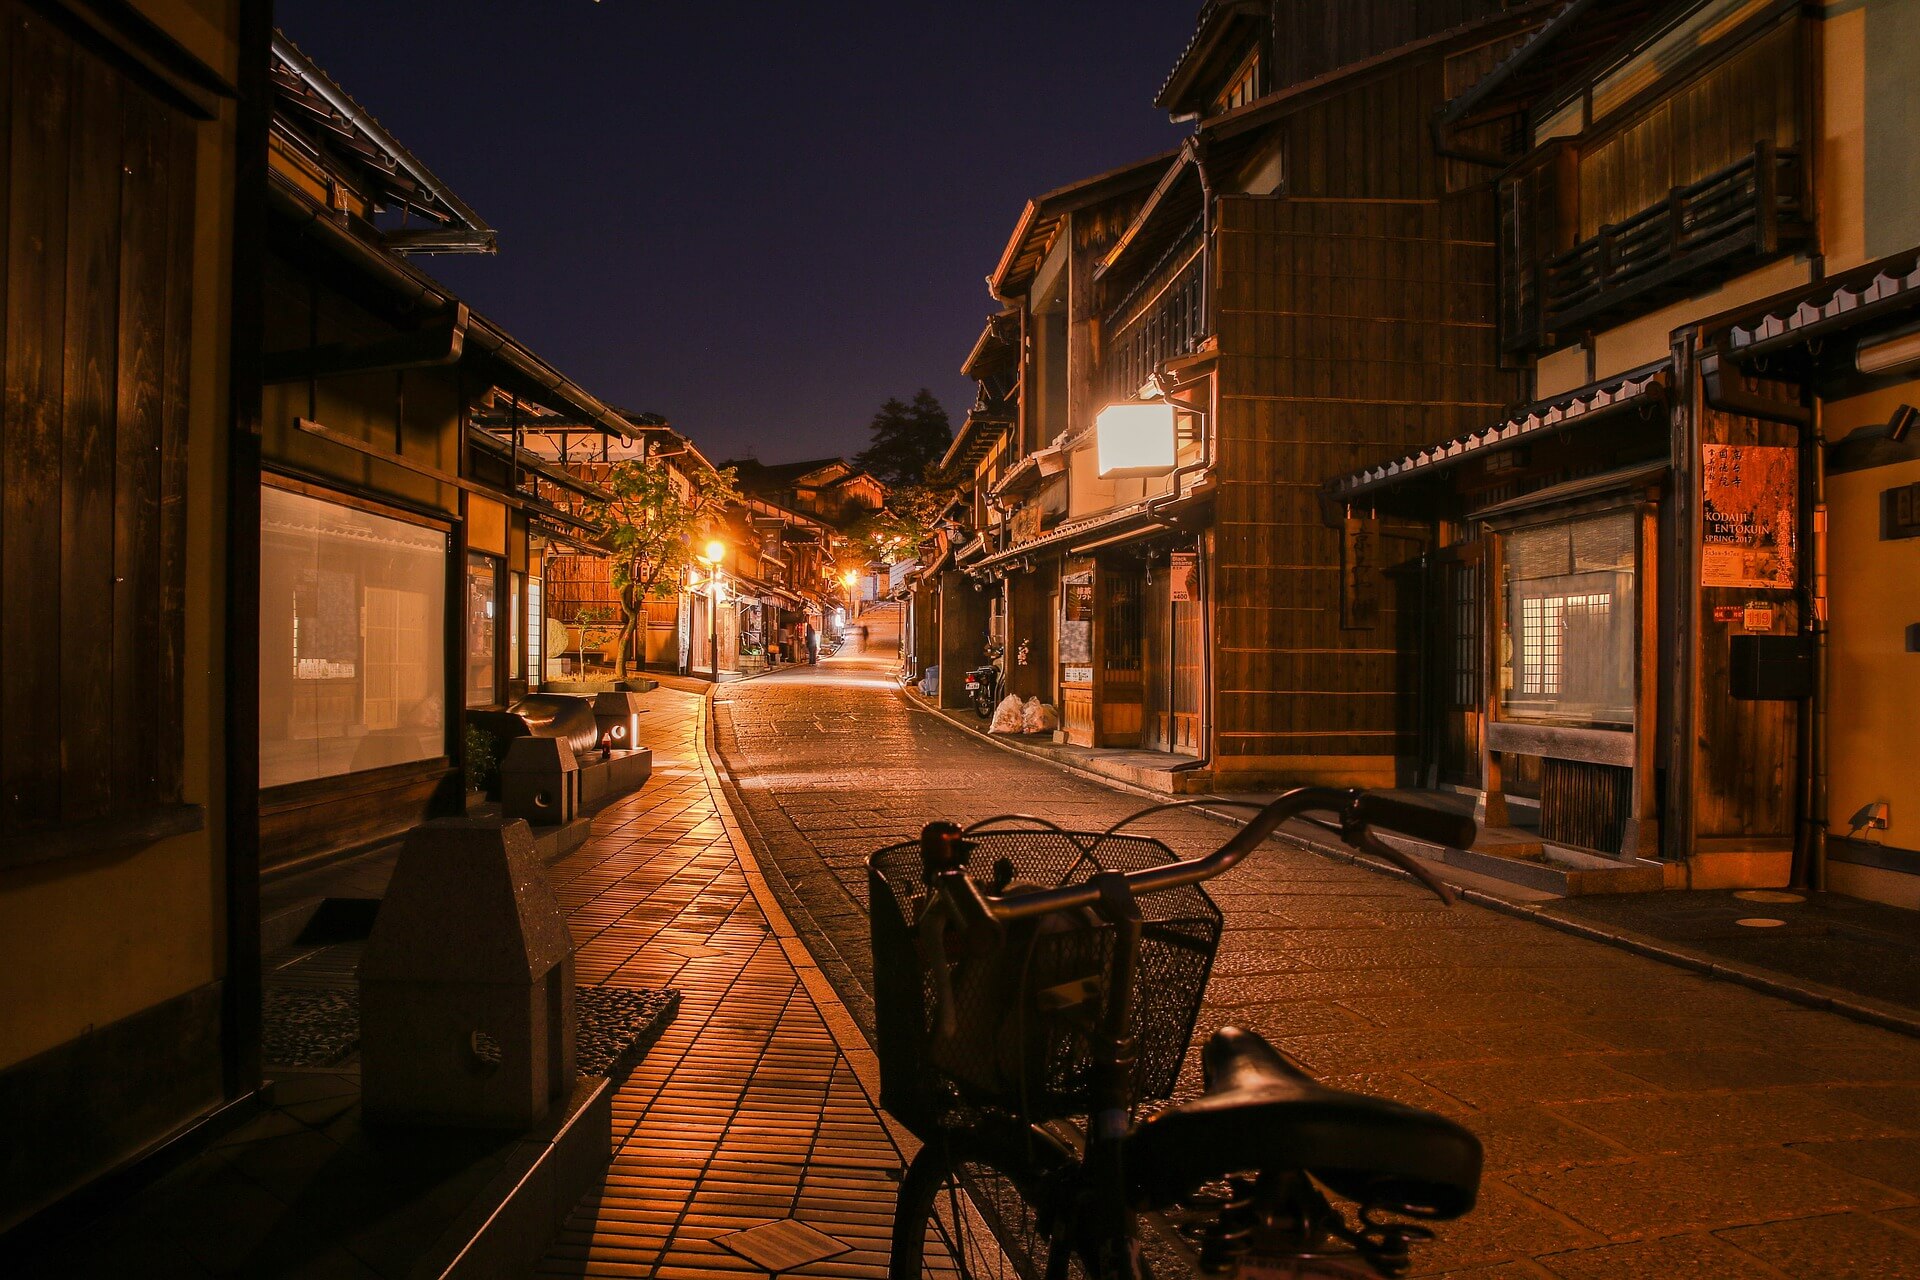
(1639, 1121)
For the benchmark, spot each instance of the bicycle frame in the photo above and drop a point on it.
(1102, 1217)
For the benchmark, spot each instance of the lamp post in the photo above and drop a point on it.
(716, 551)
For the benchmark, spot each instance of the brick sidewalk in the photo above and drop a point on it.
(1639, 1120)
(751, 1108)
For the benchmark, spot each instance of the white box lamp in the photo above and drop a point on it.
(1134, 438)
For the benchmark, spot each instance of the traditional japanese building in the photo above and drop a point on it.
(1667, 593)
(404, 517)
(1303, 285)
(131, 183)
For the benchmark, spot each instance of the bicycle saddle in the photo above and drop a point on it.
(1260, 1111)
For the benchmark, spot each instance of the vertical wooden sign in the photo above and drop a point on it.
(1360, 573)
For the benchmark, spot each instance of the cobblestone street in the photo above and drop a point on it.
(1639, 1120)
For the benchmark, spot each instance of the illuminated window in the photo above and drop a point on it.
(1243, 88)
(483, 628)
(352, 640)
(1569, 638)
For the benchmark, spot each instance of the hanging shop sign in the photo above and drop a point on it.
(1076, 620)
(1360, 572)
(1183, 577)
(1747, 502)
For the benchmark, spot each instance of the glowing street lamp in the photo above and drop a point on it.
(716, 551)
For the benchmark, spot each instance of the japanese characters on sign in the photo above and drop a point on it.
(1360, 573)
(1748, 493)
(1182, 577)
(1076, 620)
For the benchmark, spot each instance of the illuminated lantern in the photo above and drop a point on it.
(1134, 439)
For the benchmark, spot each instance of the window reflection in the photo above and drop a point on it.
(1568, 637)
(352, 650)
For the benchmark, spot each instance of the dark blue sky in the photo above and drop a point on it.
(760, 218)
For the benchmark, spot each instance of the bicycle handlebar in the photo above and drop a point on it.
(943, 848)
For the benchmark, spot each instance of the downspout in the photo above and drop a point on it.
(1817, 811)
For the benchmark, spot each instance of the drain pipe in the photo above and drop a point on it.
(1817, 814)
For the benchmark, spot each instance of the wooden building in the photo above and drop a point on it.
(1628, 574)
(403, 517)
(829, 489)
(132, 141)
(1307, 285)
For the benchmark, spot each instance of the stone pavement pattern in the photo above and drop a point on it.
(1640, 1121)
(746, 1112)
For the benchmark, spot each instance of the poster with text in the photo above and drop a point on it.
(1748, 495)
(1183, 577)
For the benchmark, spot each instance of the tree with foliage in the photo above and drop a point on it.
(907, 439)
(653, 517)
(895, 532)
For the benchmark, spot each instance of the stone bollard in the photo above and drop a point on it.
(617, 713)
(466, 985)
(540, 781)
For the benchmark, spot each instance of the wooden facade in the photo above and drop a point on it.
(1315, 287)
(393, 419)
(131, 144)
(1366, 328)
(1662, 165)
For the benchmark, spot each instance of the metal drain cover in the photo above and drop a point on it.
(1760, 922)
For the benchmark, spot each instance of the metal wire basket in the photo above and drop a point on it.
(1024, 1004)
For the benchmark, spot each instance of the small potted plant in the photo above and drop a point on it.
(482, 765)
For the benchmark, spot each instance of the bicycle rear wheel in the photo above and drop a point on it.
(975, 1208)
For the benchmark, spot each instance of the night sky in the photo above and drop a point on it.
(759, 218)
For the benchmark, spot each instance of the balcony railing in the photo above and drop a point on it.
(1699, 235)
(1157, 324)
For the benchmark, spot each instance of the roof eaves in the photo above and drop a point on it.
(1540, 44)
(310, 72)
(1273, 106)
(1214, 19)
(1646, 384)
(1042, 215)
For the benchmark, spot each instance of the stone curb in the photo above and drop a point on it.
(1813, 995)
(819, 942)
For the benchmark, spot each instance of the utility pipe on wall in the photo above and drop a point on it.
(1817, 814)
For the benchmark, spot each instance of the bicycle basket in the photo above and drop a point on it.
(1023, 1007)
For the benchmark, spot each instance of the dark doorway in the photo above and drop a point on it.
(1457, 706)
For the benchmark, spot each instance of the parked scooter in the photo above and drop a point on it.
(983, 686)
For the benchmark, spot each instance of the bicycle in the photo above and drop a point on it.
(1035, 986)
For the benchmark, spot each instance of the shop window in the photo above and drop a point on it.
(1569, 639)
(516, 656)
(483, 614)
(536, 633)
(352, 643)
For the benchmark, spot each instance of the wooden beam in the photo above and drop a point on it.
(428, 348)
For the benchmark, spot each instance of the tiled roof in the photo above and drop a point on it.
(1646, 384)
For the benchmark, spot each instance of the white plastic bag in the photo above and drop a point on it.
(1007, 716)
(1038, 717)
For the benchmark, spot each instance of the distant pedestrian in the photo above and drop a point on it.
(813, 644)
